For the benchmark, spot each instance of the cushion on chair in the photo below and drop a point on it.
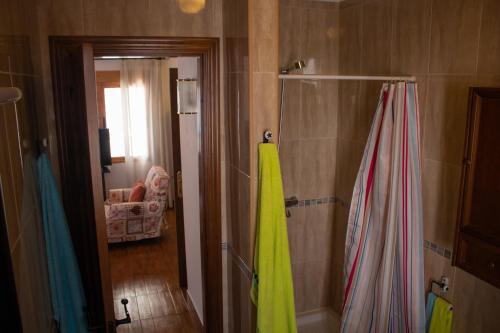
(137, 193)
(156, 184)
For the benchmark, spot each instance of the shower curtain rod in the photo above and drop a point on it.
(346, 77)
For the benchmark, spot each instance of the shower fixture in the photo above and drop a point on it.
(296, 65)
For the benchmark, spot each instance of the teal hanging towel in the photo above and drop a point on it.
(68, 300)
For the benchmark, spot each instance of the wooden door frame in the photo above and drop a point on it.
(179, 203)
(207, 49)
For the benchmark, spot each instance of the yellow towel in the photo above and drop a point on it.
(272, 287)
(442, 316)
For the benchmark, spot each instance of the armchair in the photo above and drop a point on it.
(131, 221)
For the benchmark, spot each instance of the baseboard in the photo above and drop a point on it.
(196, 310)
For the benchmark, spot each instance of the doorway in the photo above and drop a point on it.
(145, 131)
(75, 89)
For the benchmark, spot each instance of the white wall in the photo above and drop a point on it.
(190, 146)
(108, 65)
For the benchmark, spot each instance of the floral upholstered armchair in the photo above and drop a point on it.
(130, 221)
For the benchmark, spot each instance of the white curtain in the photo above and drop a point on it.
(383, 269)
(145, 94)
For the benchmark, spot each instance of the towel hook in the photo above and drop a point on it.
(443, 284)
(268, 135)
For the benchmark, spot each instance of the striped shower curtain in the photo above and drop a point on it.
(383, 269)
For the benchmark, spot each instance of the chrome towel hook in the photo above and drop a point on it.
(268, 135)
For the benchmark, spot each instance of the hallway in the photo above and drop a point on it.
(146, 273)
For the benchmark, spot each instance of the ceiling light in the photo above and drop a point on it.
(191, 6)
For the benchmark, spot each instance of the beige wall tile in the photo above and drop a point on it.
(376, 58)
(264, 96)
(317, 237)
(232, 112)
(311, 282)
(317, 168)
(475, 304)
(349, 155)
(321, 32)
(422, 108)
(238, 120)
(369, 96)
(292, 35)
(337, 287)
(297, 225)
(239, 191)
(445, 118)
(435, 267)
(489, 46)
(440, 192)
(244, 219)
(291, 159)
(236, 54)
(264, 35)
(454, 36)
(349, 110)
(155, 17)
(351, 39)
(318, 114)
(339, 232)
(290, 124)
(61, 17)
(411, 36)
(235, 223)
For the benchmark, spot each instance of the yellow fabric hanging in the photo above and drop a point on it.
(442, 316)
(272, 286)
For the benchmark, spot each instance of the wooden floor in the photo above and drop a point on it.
(146, 273)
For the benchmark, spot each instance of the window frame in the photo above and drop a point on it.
(106, 79)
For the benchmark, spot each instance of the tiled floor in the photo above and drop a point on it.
(146, 273)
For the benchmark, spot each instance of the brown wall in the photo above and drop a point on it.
(309, 31)
(18, 40)
(449, 45)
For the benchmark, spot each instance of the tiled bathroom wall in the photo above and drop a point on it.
(450, 45)
(237, 164)
(18, 42)
(251, 62)
(309, 31)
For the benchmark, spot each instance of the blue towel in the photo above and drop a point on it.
(431, 299)
(68, 300)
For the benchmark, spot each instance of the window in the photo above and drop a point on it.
(114, 121)
(138, 130)
(127, 124)
(111, 111)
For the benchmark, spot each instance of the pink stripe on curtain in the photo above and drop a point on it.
(383, 271)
